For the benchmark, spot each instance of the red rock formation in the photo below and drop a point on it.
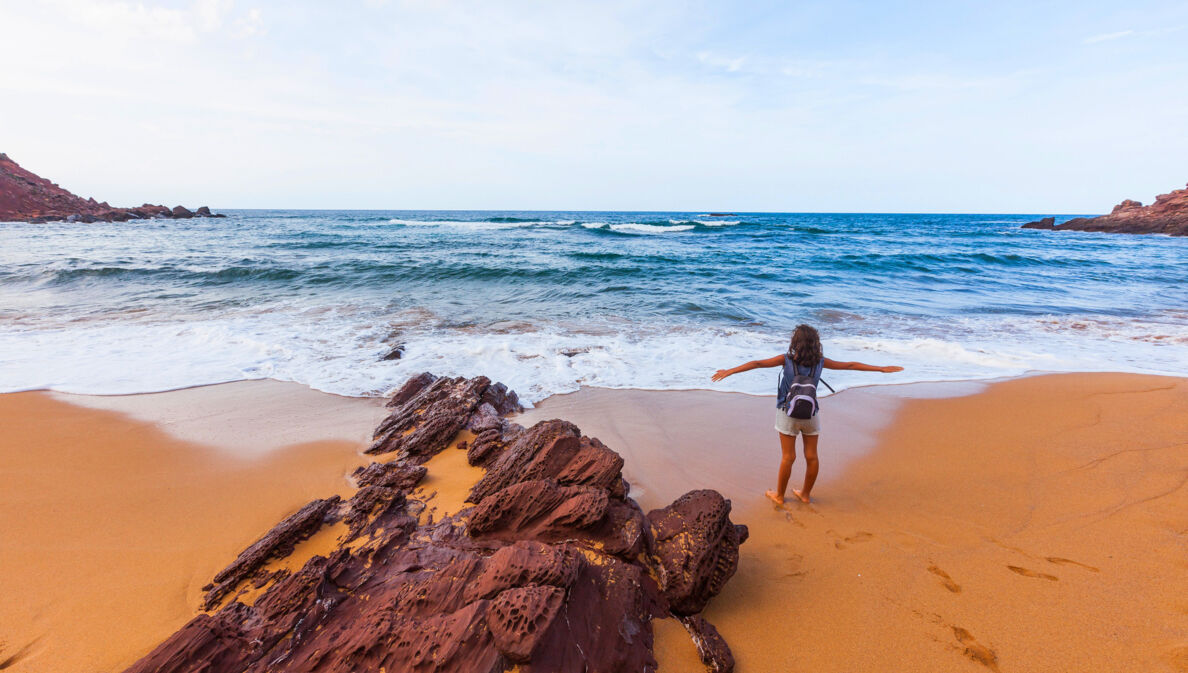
(696, 545)
(1168, 215)
(25, 197)
(554, 569)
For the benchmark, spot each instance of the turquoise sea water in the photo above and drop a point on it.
(549, 301)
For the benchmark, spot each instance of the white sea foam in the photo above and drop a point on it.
(463, 224)
(640, 228)
(594, 225)
(706, 223)
(339, 352)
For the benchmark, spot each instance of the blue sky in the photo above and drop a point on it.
(765, 106)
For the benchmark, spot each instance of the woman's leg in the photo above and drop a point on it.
(810, 467)
(788, 447)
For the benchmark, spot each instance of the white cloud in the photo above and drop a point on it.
(614, 104)
(720, 62)
(123, 20)
(1106, 37)
(249, 24)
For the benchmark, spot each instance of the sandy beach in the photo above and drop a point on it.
(437, 337)
(1034, 524)
(118, 509)
(1038, 524)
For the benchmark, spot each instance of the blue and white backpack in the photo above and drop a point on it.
(797, 388)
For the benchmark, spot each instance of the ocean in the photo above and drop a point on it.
(550, 301)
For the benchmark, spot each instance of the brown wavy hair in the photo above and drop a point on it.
(806, 346)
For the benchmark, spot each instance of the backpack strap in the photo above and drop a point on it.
(820, 369)
(816, 371)
(790, 356)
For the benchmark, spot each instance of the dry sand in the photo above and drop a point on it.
(1040, 524)
(111, 524)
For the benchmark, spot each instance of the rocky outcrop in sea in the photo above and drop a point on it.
(26, 197)
(1167, 215)
(552, 567)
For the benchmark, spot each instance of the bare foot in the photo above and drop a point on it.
(779, 500)
(801, 497)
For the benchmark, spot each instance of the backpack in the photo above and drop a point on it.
(797, 388)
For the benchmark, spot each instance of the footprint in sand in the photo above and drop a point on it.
(946, 581)
(860, 536)
(1031, 573)
(791, 519)
(975, 650)
(1069, 562)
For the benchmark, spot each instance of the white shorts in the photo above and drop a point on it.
(786, 425)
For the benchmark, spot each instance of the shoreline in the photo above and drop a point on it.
(975, 382)
(254, 417)
(938, 527)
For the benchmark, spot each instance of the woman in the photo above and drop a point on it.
(804, 357)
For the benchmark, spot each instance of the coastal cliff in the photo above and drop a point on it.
(27, 197)
(553, 567)
(1167, 215)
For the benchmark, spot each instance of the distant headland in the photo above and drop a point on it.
(26, 197)
(1168, 215)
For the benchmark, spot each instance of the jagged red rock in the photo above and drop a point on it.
(539, 452)
(26, 197)
(410, 389)
(1167, 215)
(484, 447)
(429, 418)
(277, 542)
(554, 569)
(399, 475)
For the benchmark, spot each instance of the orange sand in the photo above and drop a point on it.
(448, 481)
(111, 526)
(1040, 525)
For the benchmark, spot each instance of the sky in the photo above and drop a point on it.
(974, 107)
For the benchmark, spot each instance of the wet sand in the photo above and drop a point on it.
(1038, 525)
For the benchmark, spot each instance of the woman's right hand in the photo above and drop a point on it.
(721, 374)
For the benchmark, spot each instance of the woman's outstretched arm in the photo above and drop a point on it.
(860, 366)
(775, 361)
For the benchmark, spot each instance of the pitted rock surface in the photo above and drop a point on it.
(521, 617)
(696, 544)
(553, 570)
(539, 452)
(485, 446)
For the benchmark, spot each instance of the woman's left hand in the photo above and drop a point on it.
(888, 370)
(721, 374)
